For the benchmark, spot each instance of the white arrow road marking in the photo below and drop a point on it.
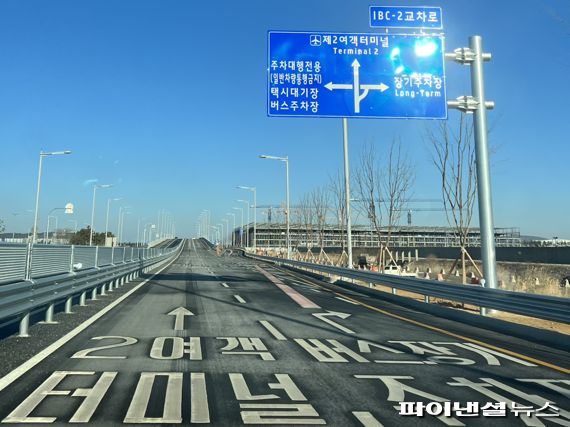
(324, 318)
(180, 313)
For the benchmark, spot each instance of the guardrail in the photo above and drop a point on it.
(540, 306)
(26, 261)
(22, 297)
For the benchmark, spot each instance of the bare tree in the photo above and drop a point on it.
(453, 154)
(319, 204)
(305, 218)
(369, 190)
(397, 181)
(337, 191)
(382, 190)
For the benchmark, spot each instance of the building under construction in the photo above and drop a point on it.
(273, 235)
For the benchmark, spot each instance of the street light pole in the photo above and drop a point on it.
(42, 155)
(119, 221)
(286, 161)
(241, 227)
(247, 232)
(46, 236)
(107, 216)
(254, 214)
(233, 230)
(227, 224)
(123, 223)
(95, 187)
(347, 192)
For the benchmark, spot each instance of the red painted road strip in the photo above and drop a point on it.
(303, 301)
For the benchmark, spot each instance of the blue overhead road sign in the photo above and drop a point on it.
(355, 75)
(405, 17)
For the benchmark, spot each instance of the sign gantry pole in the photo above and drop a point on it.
(347, 192)
(476, 104)
(483, 174)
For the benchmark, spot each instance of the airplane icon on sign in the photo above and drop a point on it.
(315, 40)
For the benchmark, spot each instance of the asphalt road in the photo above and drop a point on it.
(229, 341)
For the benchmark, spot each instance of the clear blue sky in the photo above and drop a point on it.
(167, 101)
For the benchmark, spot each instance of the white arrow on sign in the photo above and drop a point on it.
(357, 86)
(332, 86)
(324, 318)
(180, 314)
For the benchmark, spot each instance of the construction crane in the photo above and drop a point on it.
(422, 210)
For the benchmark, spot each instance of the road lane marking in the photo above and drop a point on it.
(83, 414)
(84, 354)
(345, 300)
(199, 410)
(449, 333)
(324, 318)
(172, 412)
(367, 419)
(273, 330)
(225, 285)
(9, 378)
(180, 313)
(300, 299)
(239, 299)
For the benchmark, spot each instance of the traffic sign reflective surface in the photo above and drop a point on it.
(356, 75)
(405, 17)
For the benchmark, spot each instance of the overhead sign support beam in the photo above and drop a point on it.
(476, 104)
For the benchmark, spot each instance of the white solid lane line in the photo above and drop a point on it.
(9, 378)
(239, 299)
(273, 330)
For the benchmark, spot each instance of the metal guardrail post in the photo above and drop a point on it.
(96, 256)
(24, 326)
(112, 255)
(68, 304)
(83, 299)
(124, 252)
(94, 294)
(49, 314)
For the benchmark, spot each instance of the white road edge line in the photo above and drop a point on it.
(239, 299)
(273, 330)
(348, 301)
(12, 376)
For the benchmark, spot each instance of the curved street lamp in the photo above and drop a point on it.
(252, 189)
(286, 161)
(42, 155)
(95, 187)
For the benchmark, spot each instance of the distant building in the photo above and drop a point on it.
(271, 235)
